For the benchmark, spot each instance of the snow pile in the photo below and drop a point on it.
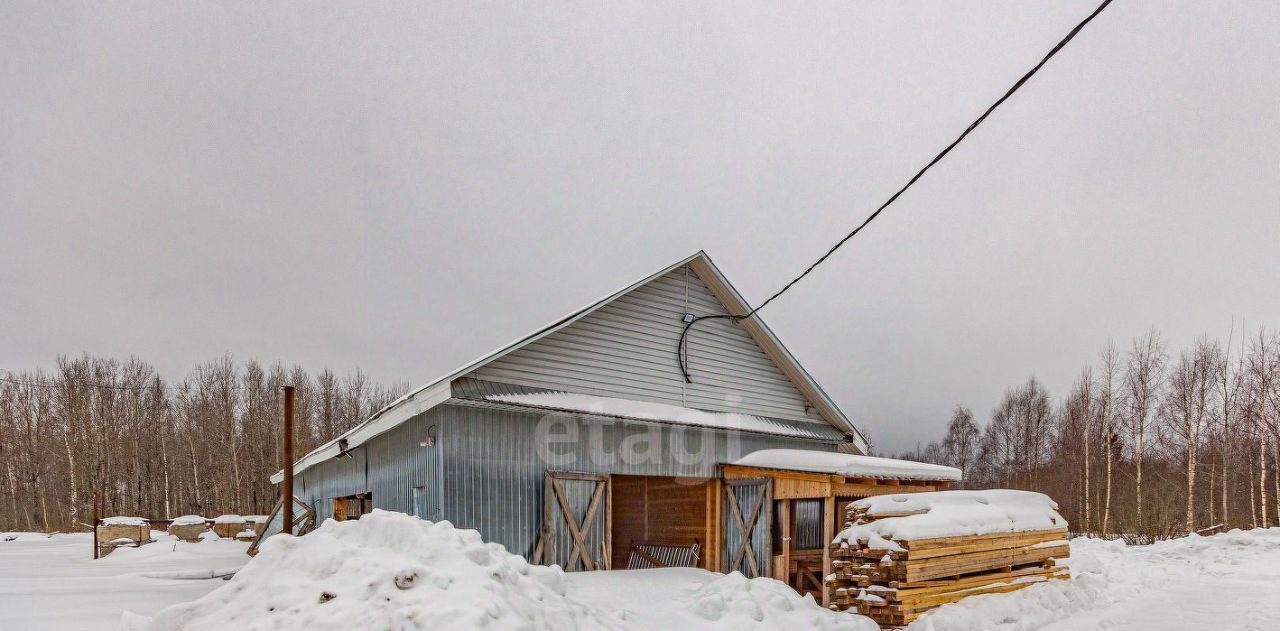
(1185, 583)
(124, 521)
(188, 520)
(228, 519)
(911, 516)
(255, 519)
(642, 410)
(385, 571)
(734, 601)
(209, 535)
(847, 465)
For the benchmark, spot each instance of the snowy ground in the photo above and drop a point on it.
(53, 583)
(1229, 582)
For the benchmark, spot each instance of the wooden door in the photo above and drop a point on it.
(748, 537)
(577, 517)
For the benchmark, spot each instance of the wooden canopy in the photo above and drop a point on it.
(804, 569)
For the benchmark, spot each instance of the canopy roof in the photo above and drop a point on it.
(849, 465)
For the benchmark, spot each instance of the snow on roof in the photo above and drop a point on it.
(188, 520)
(951, 514)
(644, 410)
(437, 391)
(228, 519)
(124, 521)
(850, 465)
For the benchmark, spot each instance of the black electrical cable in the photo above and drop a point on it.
(680, 349)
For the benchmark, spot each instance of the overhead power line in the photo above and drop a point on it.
(682, 354)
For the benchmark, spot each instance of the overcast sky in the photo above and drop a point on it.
(403, 188)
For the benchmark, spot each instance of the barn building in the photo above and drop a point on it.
(583, 444)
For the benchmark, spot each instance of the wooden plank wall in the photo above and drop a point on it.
(655, 509)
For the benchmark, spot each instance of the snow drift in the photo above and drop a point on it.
(392, 571)
(384, 571)
(1226, 581)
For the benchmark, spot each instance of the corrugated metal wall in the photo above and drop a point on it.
(401, 467)
(493, 468)
(332, 478)
(397, 464)
(486, 468)
(627, 349)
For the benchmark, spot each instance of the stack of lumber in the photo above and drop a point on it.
(188, 527)
(116, 532)
(897, 559)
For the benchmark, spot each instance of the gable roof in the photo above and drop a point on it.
(438, 390)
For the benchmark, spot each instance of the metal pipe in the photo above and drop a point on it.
(286, 457)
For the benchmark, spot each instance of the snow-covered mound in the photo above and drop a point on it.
(188, 520)
(910, 516)
(228, 519)
(385, 571)
(736, 602)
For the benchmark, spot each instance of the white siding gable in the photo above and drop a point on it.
(627, 349)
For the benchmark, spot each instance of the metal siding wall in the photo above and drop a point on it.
(332, 478)
(493, 473)
(627, 349)
(398, 462)
(808, 526)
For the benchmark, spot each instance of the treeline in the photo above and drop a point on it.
(205, 445)
(1147, 443)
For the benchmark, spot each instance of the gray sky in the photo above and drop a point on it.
(405, 188)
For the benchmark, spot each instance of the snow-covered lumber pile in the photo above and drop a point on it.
(902, 555)
(256, 522)
(114, 532)
(188, 527)
(227, 526)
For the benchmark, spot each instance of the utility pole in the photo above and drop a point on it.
(286, 457)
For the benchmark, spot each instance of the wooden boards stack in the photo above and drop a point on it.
(894, 582)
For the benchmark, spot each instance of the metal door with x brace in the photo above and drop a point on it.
(577, 515)
(748, 538)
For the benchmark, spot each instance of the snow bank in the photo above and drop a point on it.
(736, 602)
(188, 520)
(209, 535)
(847, 465)
(643, 410)
(228, 519)
(385, 571)
(912, 516)
(255, 519)
(124, 521)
